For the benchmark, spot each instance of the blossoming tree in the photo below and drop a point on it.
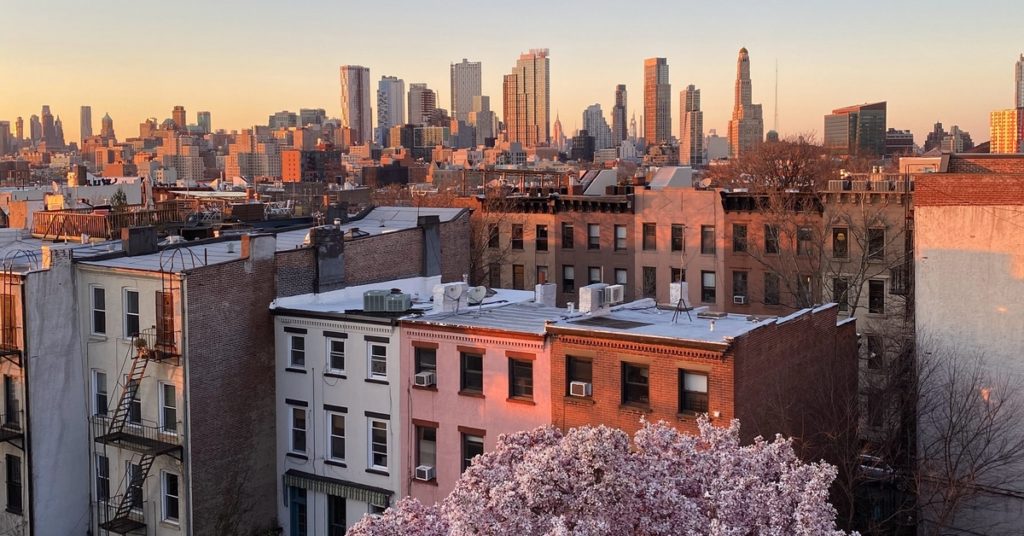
(589, 481)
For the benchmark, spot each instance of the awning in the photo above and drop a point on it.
(339, 488)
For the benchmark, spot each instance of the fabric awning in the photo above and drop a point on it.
(340, 488)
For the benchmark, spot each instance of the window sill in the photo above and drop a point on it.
(377, 472)
(635, 408)
(97, 337)
(581, 400)
(375, 380)
(294, 369)
(425, 388)
(431, 482)
(521, 400)
(173, 525)
(297, 456)
(335, 464)
(472, 394)
(688, 416)
(335, 375)
(15, 512)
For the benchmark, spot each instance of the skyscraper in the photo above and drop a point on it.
(5, 137)
(1006, 130)
(558, 137)
(58, 132)
(49, 134)
(19, 128)
(178, 116)
(203, 120)
(746, 130)
(482, 119)
(657, 102)
(466, 84)
(596, 126)
(312, 116)
(107, 127)
(390, 106)
(1019, 79)
(355, 102)
(35, 129)
(422, 103)
(527, 99)
(856, 130)
(691, 127)
(619, 115)
(85, 126)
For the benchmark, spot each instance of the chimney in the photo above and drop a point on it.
(545, 294)
(451, 297)
(328, 243)
(139, 240)
(53, 258)
(257, 247)
(431, 226)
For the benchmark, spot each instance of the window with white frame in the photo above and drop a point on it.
(378, 361)
(99, 310)
(135, 400)
(336, 436)
(99, 393)
(298, 439)
(130, 306)
(297, 351)
(132, 472)
(170, 497)
(168, 408)
(378, 450)
(336, 355)
(102, 477)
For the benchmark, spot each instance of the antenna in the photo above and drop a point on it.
(775, 121)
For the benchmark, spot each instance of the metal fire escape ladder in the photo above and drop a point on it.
(122, 518)
(131, 389)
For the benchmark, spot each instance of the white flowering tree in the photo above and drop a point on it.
(589, 481)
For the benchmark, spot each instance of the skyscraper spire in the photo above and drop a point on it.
(746, 130)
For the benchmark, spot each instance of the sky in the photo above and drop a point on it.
(243, 60)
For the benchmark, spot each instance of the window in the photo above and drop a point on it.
(336, 435)
(426, 446)
(11, 413)
(13, 484)
(298, 430)
(593, 236)
(492, 235)
(739, 284)
(650, 242)
(472, 446)
(876, 352)
(378, 444)
(297, 351)
(9, 322)
(650, 281)
(168, 409)
(771, 240)
(567, 236)
(876, 244)
(517, 236)
(378, 356)
(425, 359)
(876, 296)
(739, 238)
(840, 244)
(693, 392)
(297, 511)
(578, 370)
(593, 275)
(635, 384)
(169, 491)
(336, 355)
(707, 239)
(494, 275)
(472, 372)
(568, 278)
(707, 287)
(678, 275)
(518, 277)
(621, 276)
(542, 274)
(542, 238)
(99, 311)
(131, 313)
(336, 516)
(102, 477)
(135, 406)
(99, 393)
(771, 289)
(620, 238)
(520, 378)
(678, 241)
(133, 472)
(804, 290)
(841, 293)
(804, 240)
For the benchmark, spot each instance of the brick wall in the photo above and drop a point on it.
(384, 257)
(455, 244)
(938, 189)
(295, 272)
(230, 367)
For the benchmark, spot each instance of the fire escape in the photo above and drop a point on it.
(14, 262)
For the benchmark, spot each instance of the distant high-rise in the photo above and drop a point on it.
(58, 132)
(746, 129)
(390, 106)
(355, 102)
(482, 119)
(312, 116)
(691, 127)
(107, 127)
(1006, 129)
(634, 133)
(282, 119)
(1019, 79)
(422, 103)
(657, 102)
(619, 115)
(5, 138)
(466, 84)
(203, 120)
(49, 134)
(596, 127)
(19, 128)
(178, 117)
(35, 129)
(856, 130)
(527, 99)
(85, 123)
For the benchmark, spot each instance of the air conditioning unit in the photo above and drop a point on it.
(376, 300)
(739, 300)
(426, 379)
(397, 303)
(614, 294)
(425, 472)
(580, 388)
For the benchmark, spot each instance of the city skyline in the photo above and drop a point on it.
(811, 82)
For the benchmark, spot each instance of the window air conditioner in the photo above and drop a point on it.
(580, 388)
(426, 379)
(425, 472)
(739, 300)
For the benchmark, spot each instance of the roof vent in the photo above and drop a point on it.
(711, 314)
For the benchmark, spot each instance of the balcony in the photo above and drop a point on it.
(117, 520)
(10, 347)
(160, 345)
(146, 438)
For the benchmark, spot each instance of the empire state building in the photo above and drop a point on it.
(746, 129)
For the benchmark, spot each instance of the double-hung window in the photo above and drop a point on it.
(472, 446)
(520, 378)
(425, 359)
(99, 310)
(336, 436)
(99, 393)
(378, 451)
(635, 384)
(130, 303)
(693, 392)
(378, 361)
(102, 477)
(426, 445)
(707, 239)
(472, 372)
(171, 497)
(168, 408)
(299, 419)
(335, 355)
(297, 351)
(593, 236)
(14, 503)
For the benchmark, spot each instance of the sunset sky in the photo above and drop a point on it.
(243, 60)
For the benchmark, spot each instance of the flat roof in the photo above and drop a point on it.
(380, 220)
(351, 298)
(178, 259)
(507, 310)
(25, 254)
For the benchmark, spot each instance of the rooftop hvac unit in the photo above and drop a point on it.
(580, 388)
(425, 379)
(425, 472)
(614, 294)
(376, 300)
(398, 303)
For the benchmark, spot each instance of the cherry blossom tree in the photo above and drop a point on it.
(593, 481)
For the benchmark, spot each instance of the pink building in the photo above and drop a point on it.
(469, 376)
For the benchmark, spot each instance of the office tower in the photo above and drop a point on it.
(596, 127)
(1006, 129)
(5, 137)
(482, 119)
(691, 128)
(355, 103)
(58, 132)
(48, 131)
(203, 120)
(19, 128)
(527, 99)
(746, 129)
(35, 129)
(657, 102)
(716, 147)
(1019, 79)
(466, 84)
(422, 103)
(107, 127)
(283, 119)
(856, 130)
(390, 107)
(85, 123)
(619, 115)
(178, 117)
(312, 116)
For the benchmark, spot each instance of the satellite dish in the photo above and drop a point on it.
(704, 183)
(477, 295)
(453, 292)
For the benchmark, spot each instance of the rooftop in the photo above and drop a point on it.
(380, 220)
(507, 310)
